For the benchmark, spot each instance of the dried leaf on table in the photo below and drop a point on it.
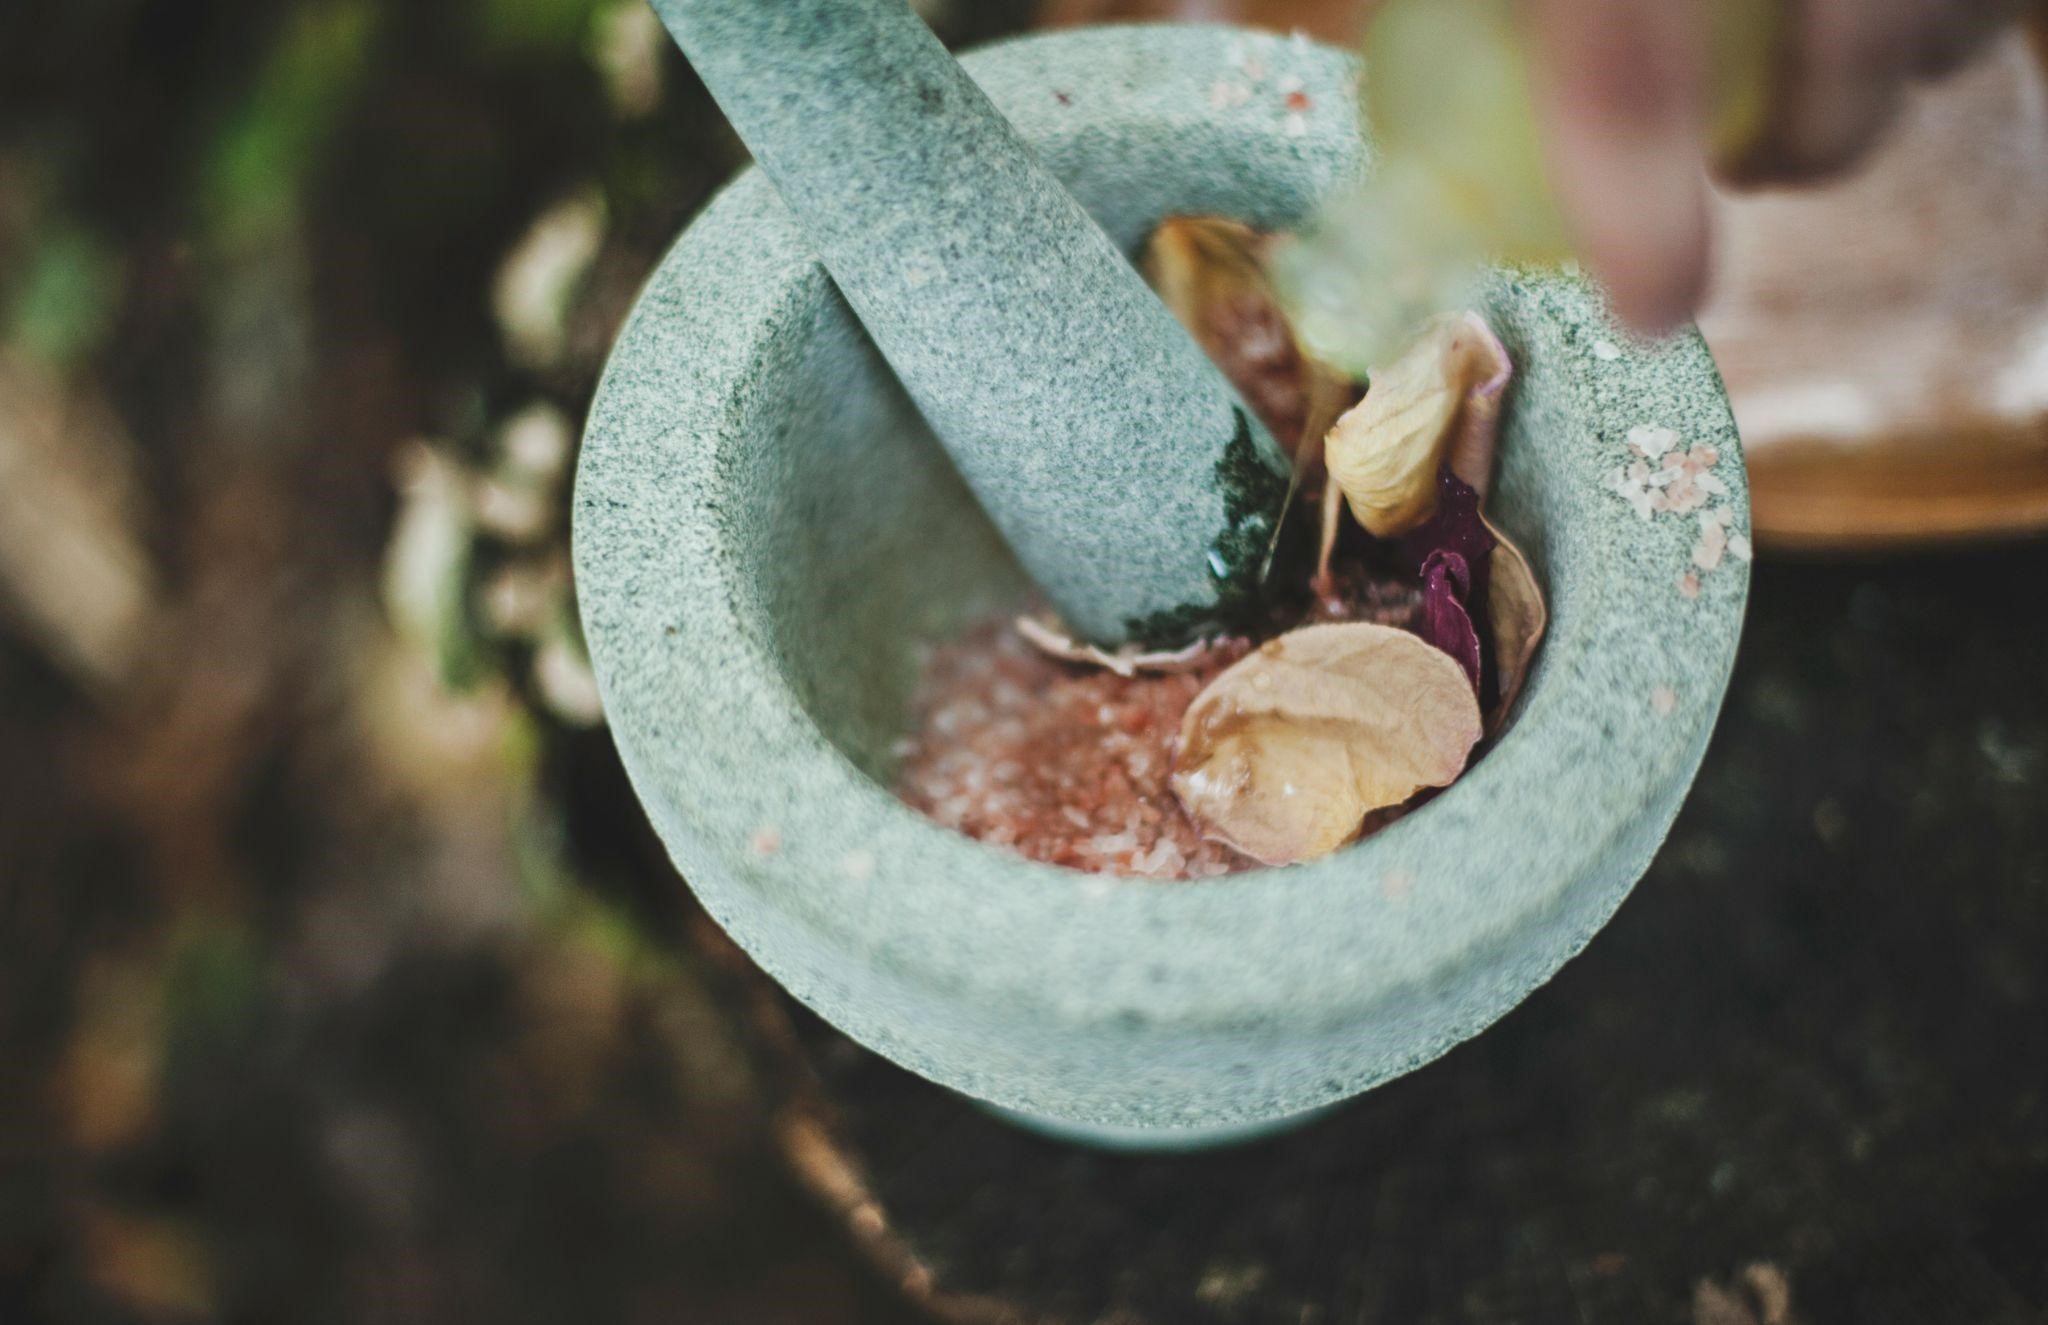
(1284, 754)
(1438, 404)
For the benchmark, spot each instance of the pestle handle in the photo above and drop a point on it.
(1119, 464)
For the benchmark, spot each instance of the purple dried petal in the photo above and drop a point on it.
(1455, 526)
(1446, 581)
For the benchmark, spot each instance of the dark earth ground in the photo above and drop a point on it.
(1808, 1053)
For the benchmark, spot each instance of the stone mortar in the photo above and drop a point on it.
(766, 536)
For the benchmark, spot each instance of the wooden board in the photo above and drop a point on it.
(1962, 486)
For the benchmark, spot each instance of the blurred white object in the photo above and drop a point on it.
(1909, 298)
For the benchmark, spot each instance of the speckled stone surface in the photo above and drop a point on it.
(764, 535)
(1118, 463)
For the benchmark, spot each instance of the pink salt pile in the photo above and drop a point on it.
(1063, 762)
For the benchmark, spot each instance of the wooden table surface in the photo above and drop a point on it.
(1803, 1076)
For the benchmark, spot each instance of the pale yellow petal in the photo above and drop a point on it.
(1518, 615)
(1384, 453)
(1284, 754)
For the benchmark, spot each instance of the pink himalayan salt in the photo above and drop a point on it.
(1069, 763)
(1063, 763)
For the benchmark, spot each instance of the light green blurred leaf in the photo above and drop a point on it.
(261, 160)
(535, 26)
(66, 297)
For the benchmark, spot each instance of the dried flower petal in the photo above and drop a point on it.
(1439, 401)
(1284, 754)
(1517, 618)
(1446, 584)
(1049, 638)
(1207, 270)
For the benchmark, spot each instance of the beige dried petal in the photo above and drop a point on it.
(1516, 611)
(1440, 400)
(1324, 585)
(1050, 639)
(1284, 754)
(1477, 433)
(1208, 271)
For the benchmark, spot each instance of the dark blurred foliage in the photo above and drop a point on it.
(338, 978)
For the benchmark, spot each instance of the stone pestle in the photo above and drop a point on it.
(1121, 467)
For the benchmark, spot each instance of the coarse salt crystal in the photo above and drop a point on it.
(1663, 701)
(1227, 95)
(1706, 554)
(1647, 439)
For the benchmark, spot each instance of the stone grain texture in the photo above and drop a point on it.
(1120, 466)
(765, 536)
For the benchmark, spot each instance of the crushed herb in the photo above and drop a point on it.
(1321, 707)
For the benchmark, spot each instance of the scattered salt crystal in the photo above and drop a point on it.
(1647, 439)
(1227, 95)
(1606, 351)
(1288, 84)
(1295, 125)
(1706, 554)
(1739, 548)
(1663, 701)
(1632, 490)
(858, 865)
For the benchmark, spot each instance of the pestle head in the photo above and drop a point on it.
(1122, 469)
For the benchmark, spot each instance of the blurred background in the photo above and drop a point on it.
(340, 979)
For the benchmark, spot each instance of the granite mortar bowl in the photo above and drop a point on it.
(766, 535)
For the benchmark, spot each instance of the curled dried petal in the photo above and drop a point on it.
(1446, 587)
(1049, 638)
(1438, 403)
(1477, 433)
(1517, 616)
(1208, 271)
(1283, 755)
